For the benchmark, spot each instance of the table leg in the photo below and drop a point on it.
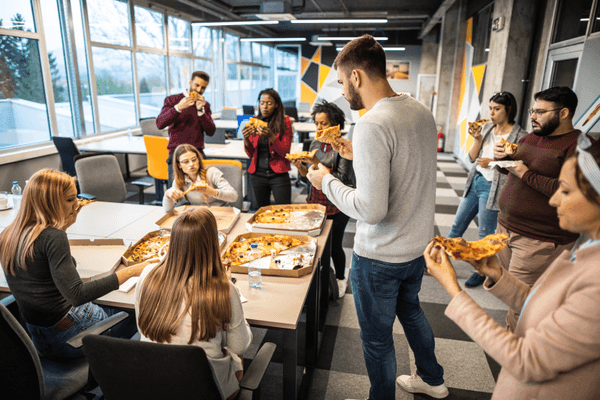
(127, 172)
(313, 305)
(324, 287)
(290, 362)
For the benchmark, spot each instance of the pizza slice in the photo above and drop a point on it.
(278, 216)
(329, 135)
(237, 253)
(194, 95)
(301, 154)
(474, 126)
(509, 148)
(257, 122)
(195, 186)
(150, 248)
(84, 202)
(460, 249)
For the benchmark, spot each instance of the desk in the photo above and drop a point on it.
(277, 304)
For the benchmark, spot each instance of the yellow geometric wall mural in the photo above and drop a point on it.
(323, 72)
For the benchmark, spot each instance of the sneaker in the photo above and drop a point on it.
(414, 384)
(475, 280)
(342, 285)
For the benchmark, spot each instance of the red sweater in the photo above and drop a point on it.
(278, 149)
(524, 206)
(185, 127)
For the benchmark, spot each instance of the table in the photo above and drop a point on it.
(278, 304)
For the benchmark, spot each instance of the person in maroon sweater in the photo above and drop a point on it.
(535, 236)
(187, 124)
(267, 147)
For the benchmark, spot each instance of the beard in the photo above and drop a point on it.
(548, 128)
(354, 99)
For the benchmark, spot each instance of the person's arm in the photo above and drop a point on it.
(168, 115)
(208, 125)
(477, 142)
(282, 146)
(239, 335)
(225, 191)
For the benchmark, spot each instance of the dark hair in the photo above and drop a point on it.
(509, 102)
(583, 183)
(277, 123)
(362, 53)
(562, 96)
(335, 115)
(200, 74)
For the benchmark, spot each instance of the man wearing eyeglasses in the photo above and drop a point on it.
(535, 237)
(188, 117)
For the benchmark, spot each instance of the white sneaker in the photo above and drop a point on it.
(414, 384)
(342, 285)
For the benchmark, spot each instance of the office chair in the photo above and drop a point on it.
(156, 158)
(232, 171)
(304, 107)
(229, 113)
(26, 375)
(291, 112)
(99, 175)
(248, 110)
(130, 369)
(67, 152)
(148, 126)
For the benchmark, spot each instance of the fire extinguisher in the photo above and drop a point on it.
(440, 142)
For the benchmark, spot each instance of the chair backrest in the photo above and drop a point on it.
(291, 112)
(232, 171)
(156, 156)
(229, 114)
(148, 126)
(131, 369)
(248, 109)
(100, 175)
(304, 107)
(21, 375)
(67, 152)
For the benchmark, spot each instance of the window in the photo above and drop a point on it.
(596, 26)
(202, 41)
(149, 28)
(16, 14)
(246, 52)
(482, 28)
(232, 95)
(180, 71)
(153, 88)
(572, 20)
(206, 66)
(231, 47)
(563, 73)
(109, 21)
(256, 53)
(179, 35)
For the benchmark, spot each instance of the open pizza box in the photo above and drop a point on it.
(226, 217)
(97, 258)
(306, 219)
(273, 269)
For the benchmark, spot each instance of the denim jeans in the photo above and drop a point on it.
(52, 343)
(381, 292)
(263, 185)
(472, 204)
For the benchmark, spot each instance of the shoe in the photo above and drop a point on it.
(342, 285)
(414, 384)
(475, 280)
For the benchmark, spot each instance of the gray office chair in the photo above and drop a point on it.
(99, 175)
(229, 114)
(130, 369)
(304, 107)
(148, 126)
(232, 171)
(26, 375)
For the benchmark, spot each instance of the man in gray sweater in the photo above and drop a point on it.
(394, 155)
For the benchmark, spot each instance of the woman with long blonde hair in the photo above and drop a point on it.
(188, 299)
(189, 168)
(42, 275)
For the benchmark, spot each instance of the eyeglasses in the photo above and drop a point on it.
(539, 113)
(190, 161)
(499, 94)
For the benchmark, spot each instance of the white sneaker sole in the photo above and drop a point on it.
(415, 390)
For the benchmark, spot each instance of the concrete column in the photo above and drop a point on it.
(429, 54)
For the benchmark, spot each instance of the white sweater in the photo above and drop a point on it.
(394, 148)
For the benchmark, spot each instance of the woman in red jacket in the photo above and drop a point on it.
(267, 147)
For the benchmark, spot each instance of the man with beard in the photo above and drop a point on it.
(535, 237)
(393, 149)
(187, 124)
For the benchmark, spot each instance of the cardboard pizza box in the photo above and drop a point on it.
(273, 270)
(97, 258)
(226, 217)
(289, 229)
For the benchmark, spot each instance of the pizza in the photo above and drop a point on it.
(196, 185)
(329, 135)
(460, 249)
(194, 95)
(509, 148)
(301, 154)
(474, 126)
(237, 253)
(84, 202)
(274, 216)
(152, 247)
(255, 122)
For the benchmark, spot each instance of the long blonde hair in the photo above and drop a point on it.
(178, 172)
(40, 208)
(192, 274)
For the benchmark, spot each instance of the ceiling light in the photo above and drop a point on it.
(232, 23)
(339, 21)
(487, 50)
(317, 44)
(394, 48)
(290, 39)
(348, 38)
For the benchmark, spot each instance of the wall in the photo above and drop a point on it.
(587, 81)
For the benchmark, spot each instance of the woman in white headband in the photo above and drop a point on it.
(554, 352)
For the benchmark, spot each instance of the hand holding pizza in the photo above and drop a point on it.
(185, 103)
(200, 102)
(174, 194)
(489, 266)
(301, 167)
(134, 270)
(266, 132)
(315, 175)
(344, 147)
(248, 130)
(440, 267)
(499, 153)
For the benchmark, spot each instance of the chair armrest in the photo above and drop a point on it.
(8, 301)
(142, 184)
(256, 370)
(97, 329)
(86, 196)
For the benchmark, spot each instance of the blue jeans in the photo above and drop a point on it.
(52, 343)
(472, 204)
(381, 292)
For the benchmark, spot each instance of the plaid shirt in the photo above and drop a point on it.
(318, 197)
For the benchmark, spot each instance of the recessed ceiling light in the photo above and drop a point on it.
(289, 39)
(341, 38)
(339, 21)
(235, 23)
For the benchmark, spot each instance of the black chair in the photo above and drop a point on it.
(67, 152)
(291, 112)
(26, 375)
(129, 369)
(248, 110)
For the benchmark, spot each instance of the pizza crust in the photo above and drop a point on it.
(509, 148)
(460, 249)
(328, 135)
(84, 202)
(196, 185)
(301, 154)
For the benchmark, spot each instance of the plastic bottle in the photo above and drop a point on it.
(254, 273)
(16, 191)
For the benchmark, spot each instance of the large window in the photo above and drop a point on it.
(149, 28)
(288, 80)
(151, 69)
(109, 21)
(572, 19)
(179, 35)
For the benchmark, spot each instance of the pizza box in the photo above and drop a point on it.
(273, 270)
(226, 217)
(93, 256)
(125, 256)
(310, 227)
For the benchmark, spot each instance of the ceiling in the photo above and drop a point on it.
(406, 18)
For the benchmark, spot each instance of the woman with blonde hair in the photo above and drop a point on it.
(188, 169)
(42, 275)
(188, 299)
